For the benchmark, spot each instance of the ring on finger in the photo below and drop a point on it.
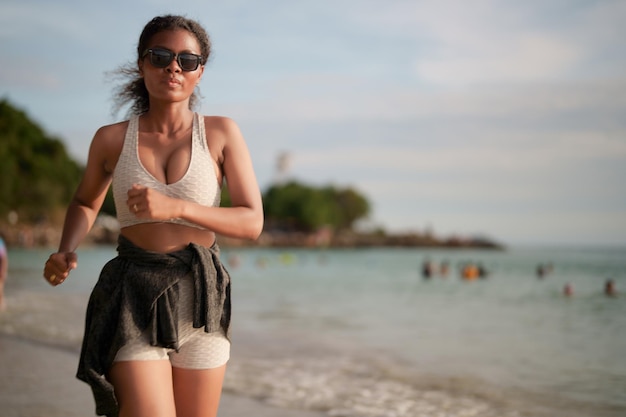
(135, 208)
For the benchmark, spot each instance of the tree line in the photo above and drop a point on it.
(38, 177)
(35, 170)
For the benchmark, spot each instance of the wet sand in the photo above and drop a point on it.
(38, 380)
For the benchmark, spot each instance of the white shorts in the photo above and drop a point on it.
(197, 349)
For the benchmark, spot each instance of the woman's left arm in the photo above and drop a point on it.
(244, 219)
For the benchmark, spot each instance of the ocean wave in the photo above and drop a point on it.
(347, 387)
(55, 319)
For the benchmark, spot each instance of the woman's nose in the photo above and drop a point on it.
(173, 66)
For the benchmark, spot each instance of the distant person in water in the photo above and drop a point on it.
(444, 268)
(427, 269)
(4, 271)
(568, 290)
(609, 288)
(541, 271)
(482, 271)
(470, 272)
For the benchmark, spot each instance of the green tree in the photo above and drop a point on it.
(36, 173)
(296, 206)
(351, 207)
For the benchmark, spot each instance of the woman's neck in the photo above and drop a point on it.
(170, 118)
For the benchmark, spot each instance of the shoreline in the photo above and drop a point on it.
(106, 231)
(39, 379)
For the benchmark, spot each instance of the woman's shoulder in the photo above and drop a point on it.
(111, 134)
(113, 129)
(109, 138)
(220, 123)
(222, 133)
(222, 127)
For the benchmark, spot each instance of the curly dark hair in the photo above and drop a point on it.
(134, 90)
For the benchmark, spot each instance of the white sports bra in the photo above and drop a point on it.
(199, 184)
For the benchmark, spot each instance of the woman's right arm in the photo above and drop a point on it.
(87, 201)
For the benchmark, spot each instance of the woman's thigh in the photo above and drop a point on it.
(197, 392)
(143, 388)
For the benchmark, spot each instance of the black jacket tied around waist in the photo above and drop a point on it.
(137, 292)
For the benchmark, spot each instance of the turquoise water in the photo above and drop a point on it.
(361, 332)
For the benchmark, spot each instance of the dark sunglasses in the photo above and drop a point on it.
(161, 58)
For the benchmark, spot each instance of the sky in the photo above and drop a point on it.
(485, 118)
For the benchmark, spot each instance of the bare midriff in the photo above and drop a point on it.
(166, 237)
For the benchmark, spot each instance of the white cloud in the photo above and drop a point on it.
(526, 58)
(499, 151)
(459, 43)
(331, 98)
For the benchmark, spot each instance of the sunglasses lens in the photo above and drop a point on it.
(188, 62)
(161, 58)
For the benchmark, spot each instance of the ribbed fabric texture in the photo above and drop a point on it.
(197, 348)
(199, 184)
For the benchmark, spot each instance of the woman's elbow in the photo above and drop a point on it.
(249, 227)
(255, 228)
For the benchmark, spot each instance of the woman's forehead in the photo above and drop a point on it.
(178, 39)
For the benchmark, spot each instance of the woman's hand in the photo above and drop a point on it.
(58, 267)
(148, 203)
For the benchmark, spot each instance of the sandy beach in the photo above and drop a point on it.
(53, 391)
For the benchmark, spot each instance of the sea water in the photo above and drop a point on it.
(362, 333)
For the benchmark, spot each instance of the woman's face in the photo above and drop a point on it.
(171, 83)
